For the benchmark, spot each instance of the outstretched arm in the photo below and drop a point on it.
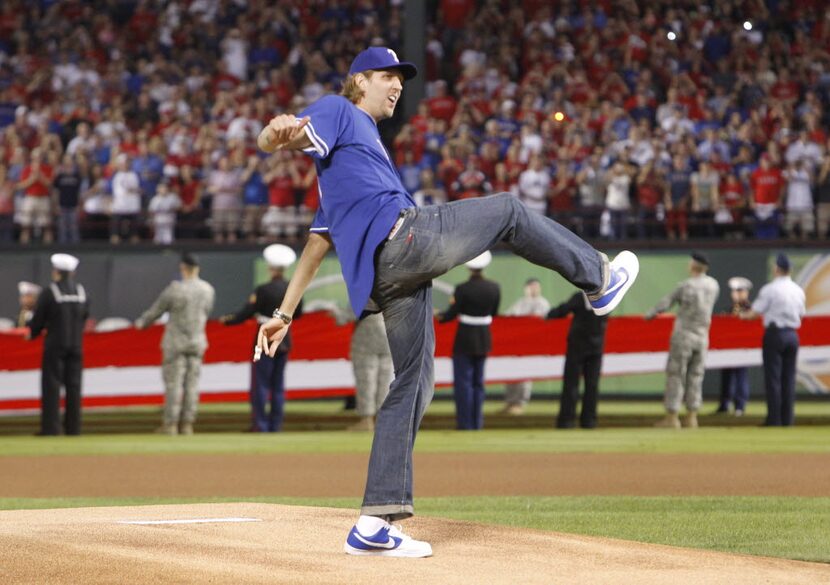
(570, 306)
(284, 132)
(665, 303)
(272, 332)
(156, 310)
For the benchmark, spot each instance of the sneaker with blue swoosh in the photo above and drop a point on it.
(623, 272)
(389, 541)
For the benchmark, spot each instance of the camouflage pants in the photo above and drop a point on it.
(181, 386)
(684, 372)
(372, 375)
(518, 393)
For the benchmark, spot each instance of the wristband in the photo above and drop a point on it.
(280, 315)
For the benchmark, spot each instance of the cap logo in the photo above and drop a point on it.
(394, 56)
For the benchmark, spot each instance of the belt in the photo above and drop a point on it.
(473, 320)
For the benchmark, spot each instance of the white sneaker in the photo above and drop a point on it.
(623, 272)
(389, 541)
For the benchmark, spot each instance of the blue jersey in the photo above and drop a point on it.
(361, 195)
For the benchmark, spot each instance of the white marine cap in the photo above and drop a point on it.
(480, 262)
(740, 283)
(279, 256)
(27, 288)
(64, 262)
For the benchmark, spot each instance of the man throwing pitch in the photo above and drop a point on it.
(390, 250)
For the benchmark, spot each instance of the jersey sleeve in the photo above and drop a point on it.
(328, 118)
(319, 223)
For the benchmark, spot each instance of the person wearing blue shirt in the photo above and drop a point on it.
(149, 167)
(254, 197)
(389, 251)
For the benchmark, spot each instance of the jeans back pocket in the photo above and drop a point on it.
(415, 251)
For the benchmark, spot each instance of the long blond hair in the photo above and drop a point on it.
(350, 90)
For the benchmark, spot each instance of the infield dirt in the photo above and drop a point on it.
(445, 474)
(302, 545)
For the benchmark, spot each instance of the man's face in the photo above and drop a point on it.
(382, 92)
(27, 301)
(533, 289)
(739, 295)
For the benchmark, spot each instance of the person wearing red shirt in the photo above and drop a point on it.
(733, 200)
(561, 196)
(6, 205)
(448, 169)
(190, 215)
(282, 178)
(766, 186)
(36, 183)
(785, 89)
(420, 121)
(472, 182)
(651, 190)
(442, 105)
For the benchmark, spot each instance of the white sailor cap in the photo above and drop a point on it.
(740, 283)
(27, 288)
(279, 256)
(480, 262)
(64, 262)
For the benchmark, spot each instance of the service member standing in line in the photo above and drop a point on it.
(735, 381)
(475, 303)
(27, 296)
(268, 373)
(517, 394)
(189, 301)
(586, 342)
(695, 298)
(62, 309)
(782, 304)
(372, 367)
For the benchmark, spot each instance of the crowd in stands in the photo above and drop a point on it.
(137, 119)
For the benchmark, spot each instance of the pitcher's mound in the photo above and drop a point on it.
(262, 543)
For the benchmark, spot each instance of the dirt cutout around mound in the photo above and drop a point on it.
(303, 545)
(436, 474)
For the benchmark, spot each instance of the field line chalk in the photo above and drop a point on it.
(189, 521)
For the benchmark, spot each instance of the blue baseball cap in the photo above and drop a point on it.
(783, 262)
(379, 58)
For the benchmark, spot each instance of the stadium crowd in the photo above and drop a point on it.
(131, 119)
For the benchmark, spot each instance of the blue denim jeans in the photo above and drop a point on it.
(431, 241)
(68, 226)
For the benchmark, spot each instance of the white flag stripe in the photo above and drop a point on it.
(305, 375)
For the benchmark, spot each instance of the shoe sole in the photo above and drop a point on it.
(349, 550)
(632, 276)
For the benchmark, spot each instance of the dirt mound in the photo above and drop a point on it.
(303, 545)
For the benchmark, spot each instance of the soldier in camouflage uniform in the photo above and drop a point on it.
(373, 370)
(189, 302)
(695, 298)
(517, 394)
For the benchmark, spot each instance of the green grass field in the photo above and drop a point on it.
(794, 528)
(328, 415)
(797, 528)
(704, 440)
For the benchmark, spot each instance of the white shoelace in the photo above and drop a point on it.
(397, 531)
